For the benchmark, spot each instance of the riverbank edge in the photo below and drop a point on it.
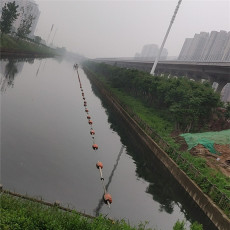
(214, 213)
(5, 53)
(38, 207)
(46, 203)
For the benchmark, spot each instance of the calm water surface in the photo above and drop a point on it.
(46, 149)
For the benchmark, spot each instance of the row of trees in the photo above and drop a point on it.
(189, 104)
(10, 13)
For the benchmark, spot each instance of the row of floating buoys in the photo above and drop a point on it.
(107, 197)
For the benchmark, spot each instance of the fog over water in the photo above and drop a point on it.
(121, 28)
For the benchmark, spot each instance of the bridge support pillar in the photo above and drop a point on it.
(220, 86)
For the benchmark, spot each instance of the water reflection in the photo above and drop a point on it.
(166, 191)
(9, 69)
(101, 201)
(39, 67)
(9, 72)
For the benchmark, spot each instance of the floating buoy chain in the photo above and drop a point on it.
(107, 197)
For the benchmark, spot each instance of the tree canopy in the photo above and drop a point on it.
(24, 28)
(9, 15)
(188, 103)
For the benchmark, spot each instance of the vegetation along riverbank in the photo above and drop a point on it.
(165, 108)
(20, 41)
(24, 47)
(23, 214)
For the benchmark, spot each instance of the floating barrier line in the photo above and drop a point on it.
(101, 201)
(107, 197)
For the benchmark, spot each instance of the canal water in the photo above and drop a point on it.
(46, 149)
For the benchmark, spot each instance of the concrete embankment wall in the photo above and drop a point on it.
(220, 220)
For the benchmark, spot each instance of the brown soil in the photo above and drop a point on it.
(220, 161)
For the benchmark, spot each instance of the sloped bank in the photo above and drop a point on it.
(216, 215)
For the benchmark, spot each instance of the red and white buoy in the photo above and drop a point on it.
(92, 132)
(95, 146)
(99, 165)
(108, 198)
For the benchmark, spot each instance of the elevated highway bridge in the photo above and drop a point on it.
(211, 71)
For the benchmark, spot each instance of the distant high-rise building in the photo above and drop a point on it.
(216, 52)
(226, 51)
(206, 47)
(197, 46)
(150, 51)
(184, 51)
(26, 7)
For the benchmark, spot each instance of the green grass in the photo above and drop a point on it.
(20, 214)
(11, 43)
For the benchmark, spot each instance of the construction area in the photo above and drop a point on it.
(213, 146)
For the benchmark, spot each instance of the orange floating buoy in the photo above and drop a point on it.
(90, 122)
(107, 198)
(92, 132)
(86, 110)
(88, 117)
(99, 165)
(95, 146)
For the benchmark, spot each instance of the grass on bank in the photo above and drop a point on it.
(157, 120)
(20, 214)
(16, 44)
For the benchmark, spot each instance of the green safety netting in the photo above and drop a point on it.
(207, 139)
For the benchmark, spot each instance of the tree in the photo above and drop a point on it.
(37, 39)
(24, 28)
(227, 112)
(9, 15)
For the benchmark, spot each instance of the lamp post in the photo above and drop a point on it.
(166, 35)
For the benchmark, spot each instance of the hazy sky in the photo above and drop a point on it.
(115, 28)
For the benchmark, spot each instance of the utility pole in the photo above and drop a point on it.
(54, 36)
(49, 34)
(166, 35)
